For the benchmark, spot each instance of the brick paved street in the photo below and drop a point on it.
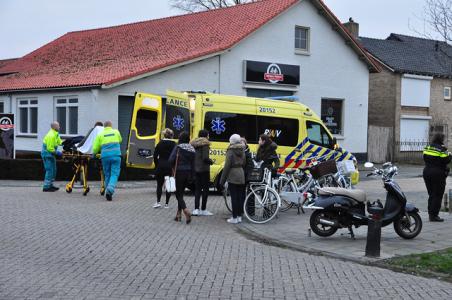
(64, 246)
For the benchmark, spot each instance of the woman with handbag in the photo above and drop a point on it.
(182, 159)
(163, 167)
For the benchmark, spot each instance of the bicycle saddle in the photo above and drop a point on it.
(357, 195)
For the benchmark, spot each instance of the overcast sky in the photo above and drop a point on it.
(25, 25)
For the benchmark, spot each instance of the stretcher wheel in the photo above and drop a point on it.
(68, 190)
(85, 192)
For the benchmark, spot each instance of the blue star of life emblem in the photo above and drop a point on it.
(218, 126)
(178, 122)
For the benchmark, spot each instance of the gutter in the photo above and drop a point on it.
(49, 88)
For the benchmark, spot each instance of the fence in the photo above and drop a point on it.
(409, 151)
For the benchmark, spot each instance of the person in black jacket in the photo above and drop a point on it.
(161, 160)
(202, 170)
(248, 158)
(267, 153)
(436, 159)
(182, 159)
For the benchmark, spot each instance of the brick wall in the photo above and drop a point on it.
(382, 98)
(440, 109)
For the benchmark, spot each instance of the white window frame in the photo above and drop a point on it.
(447, 89)
(31, 103)
(67, 104)
(303, 51)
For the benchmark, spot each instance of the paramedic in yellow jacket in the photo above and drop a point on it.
(49, 153)
(108, 144)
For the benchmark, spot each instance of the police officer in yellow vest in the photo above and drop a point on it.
(49, 153)
(108, 144)
(436, 159)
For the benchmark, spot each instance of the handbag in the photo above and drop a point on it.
(170, 181)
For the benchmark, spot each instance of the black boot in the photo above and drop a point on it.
(436, 219)
(108, 196)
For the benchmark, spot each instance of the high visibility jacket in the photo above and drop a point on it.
(436, 156)
(108, 143)
(50, 143)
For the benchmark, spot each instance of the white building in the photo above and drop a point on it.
(92, 75)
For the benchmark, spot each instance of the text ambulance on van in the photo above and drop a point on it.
(299, 133)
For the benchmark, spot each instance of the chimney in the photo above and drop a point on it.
(352, 27)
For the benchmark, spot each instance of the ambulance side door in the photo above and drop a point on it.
(145, 130)
(319, 143)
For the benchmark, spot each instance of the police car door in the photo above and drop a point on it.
(145, 130)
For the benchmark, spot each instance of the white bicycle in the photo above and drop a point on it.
(262, 202)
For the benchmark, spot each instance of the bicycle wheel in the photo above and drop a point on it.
(286, 185)
(261, 204)
(227, 199)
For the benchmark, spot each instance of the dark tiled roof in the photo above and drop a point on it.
(407, 54)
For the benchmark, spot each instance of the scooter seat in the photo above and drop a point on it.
(357, 195)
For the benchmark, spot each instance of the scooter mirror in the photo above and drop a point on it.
(368, 165)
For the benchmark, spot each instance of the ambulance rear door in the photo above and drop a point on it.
(145, 130)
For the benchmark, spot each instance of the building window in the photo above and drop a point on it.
(2, 107)
(28, 116)
(66, 110)
(447, 91)
(302, 38)
(331, 113)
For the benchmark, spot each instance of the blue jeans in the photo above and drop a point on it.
(112, 168)
(50, 167)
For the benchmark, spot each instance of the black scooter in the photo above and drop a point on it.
(336, 208)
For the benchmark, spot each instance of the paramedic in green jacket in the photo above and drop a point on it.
(49, 153)
(108, 144)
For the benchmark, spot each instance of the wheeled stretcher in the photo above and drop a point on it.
(80, 163)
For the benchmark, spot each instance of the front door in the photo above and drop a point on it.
(145, 130)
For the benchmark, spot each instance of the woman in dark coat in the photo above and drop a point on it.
(234, 174)
(182, 159)
(163, 167)
(436, 159)
(202, 172)
(267, 153)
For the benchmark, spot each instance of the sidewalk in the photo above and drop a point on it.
(292, 231)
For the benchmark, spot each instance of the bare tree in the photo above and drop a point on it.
(437, 20)
(200, 5)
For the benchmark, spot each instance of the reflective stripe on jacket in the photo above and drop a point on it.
(435, 152)
(108, 143)
(50, 142)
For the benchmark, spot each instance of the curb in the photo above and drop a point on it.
(252, 235)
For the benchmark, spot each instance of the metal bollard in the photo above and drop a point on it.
(374, 232)
(450, 203)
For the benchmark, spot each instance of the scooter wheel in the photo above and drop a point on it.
(319, 228)
(409, 225)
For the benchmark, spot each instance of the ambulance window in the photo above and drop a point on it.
(318, 135)
(177, 119)
(283, 131)
(222, 125)
(146, 122)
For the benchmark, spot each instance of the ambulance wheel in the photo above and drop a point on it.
(68, 190)
(86, 191)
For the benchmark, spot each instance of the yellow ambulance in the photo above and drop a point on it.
(299, 133)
